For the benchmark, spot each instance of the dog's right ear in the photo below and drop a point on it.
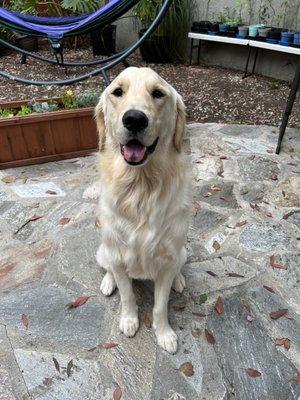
(100, 121)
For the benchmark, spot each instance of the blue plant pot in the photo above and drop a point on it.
(241, 36)
(284, 43)
(211, 33)
(287, 37)
(272, 41)
(297, 38)
(223, 27)
(253, 30)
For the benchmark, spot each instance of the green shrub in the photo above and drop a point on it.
(42, 107)
(25, 110)
(89, 98)
(6, 113)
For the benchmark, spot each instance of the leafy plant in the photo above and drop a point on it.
(174, 27)
(6, 113)
(89, 98)
(27, 6)
(42, 107)
(25, 110)
(82, 6)
(69, 100)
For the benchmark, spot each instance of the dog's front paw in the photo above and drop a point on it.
(129, 325)
(167, 339)
(108, 284)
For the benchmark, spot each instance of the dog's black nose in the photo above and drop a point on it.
(135, 120)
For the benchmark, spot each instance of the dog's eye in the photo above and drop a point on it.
(118, 92)
(157, 94)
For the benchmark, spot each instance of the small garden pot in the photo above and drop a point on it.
(275, 33)
(214, 27)
(223, 28)
(104, 40)
(263, 32)
(195, 26)
(287, 37)
(155, 49)
(271, 41)
(204, 26)
(297, 38)
(253, 30)
(243, 30)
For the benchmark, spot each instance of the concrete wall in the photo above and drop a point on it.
(278, 13)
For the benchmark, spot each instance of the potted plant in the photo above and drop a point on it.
(168, 43)
(46, 130)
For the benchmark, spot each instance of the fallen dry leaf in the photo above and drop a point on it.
(24, 320)
(117, 393)
(296, 378)
(108, 345)
(216, 245)
(247, 307)
(34, 205)
(196, 333)
(97, 223)
(239, 224)
(274, 264)
(8, 179)
(254, 206)
(147, 321)
(199, 314)
(69, 368)
(219, 306)
(51, 192)
(56, 364)
(278, 314)
(235, 275)
(209, 337)
(258, 198)
(223, 158)
(187, 369)
(289, 214)
(269, 288)
(253, 372)
(252, 157)
(64, 221)
(211, 273)
(207, 194)
(285, 342)
(268, 214)
(288, 316)
(215, 188)
(35, 217)
(273, 176)
(78, 302)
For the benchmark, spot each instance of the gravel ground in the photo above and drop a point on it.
(211, 94)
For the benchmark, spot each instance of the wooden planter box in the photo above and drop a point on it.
(52, 136)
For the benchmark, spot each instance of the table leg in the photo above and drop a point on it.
(191, 51)
(199, 49)
(289, 107)
(255, 59)
(247, 63)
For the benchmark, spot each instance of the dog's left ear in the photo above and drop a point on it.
(100, 121)
(180, 123)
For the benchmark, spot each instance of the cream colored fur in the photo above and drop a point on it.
(144, 210)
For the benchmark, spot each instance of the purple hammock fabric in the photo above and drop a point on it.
(65, 25)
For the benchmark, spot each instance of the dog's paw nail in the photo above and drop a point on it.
(129, 325)
(108, 284)
(168, 341)
(179, 283)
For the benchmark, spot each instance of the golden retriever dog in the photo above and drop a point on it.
(144, 205)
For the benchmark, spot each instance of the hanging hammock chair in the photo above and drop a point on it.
(55, 29)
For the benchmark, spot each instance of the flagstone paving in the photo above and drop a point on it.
(243, 247)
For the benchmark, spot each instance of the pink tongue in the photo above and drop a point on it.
(134, 152)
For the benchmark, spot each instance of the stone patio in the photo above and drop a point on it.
(243, 247)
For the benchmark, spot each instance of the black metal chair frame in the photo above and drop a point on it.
(109, 62)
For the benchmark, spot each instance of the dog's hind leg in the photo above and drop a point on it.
(108, 284)
(179, 280)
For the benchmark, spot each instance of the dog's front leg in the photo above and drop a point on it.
(129, 321)
(166, 337)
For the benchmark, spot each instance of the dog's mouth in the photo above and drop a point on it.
(135, 153)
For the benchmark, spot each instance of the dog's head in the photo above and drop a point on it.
(140, 115)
